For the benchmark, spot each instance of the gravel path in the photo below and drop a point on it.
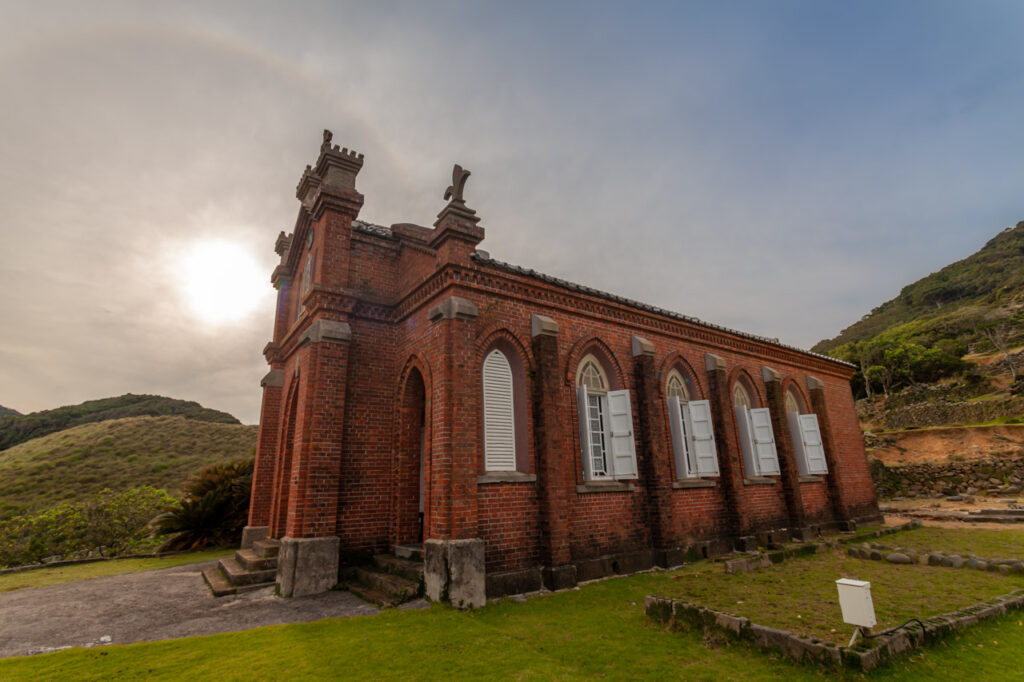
(149, 606)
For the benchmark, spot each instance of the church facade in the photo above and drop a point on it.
(527, 431)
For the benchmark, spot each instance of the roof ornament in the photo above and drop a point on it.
(454, 191)
(328, 136)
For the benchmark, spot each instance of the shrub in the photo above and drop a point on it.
(107, 523)
(213, 511)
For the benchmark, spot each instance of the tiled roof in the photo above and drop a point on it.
(479, 257)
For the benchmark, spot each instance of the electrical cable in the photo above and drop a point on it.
(924, 633)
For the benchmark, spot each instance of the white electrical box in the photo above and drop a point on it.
(855, 600)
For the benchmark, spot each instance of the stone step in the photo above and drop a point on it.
(251, 561)
(398, 587)
(408, 569)
(237, 575)
(368, 594)
(266, 548)
(217, 582)
(413, 552)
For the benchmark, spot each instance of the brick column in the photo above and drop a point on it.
(655, 452)
(840, 507)
(454, 568)
(790, 472)
(309, 551)
(730, 467)
(556, 458)
(261, 499)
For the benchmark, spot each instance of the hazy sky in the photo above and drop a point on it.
(778, 167)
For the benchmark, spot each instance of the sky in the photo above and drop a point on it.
(776, 167)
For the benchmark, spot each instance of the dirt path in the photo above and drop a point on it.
(150, 606)
(939, 444)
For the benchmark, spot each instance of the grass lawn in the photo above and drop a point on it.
(988, 544)
(597, 631)
(66, 574)
(800, 595)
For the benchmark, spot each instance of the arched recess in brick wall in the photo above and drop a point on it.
(678, 365)
(796, 401)
(411, 456)
(602, 353)
(740, 385)
(506, 343)
(283, 464)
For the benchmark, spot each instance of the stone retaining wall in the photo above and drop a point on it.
(902, 555)
(921, 415)
(993, 476)
(678, 614)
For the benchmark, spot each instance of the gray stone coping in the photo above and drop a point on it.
(684, 483)
(811, 479)
(505, 477)
(759, 480)
(606, 487)
(900, 555)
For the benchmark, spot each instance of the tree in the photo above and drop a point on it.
(999, 334)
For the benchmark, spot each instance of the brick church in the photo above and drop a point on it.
(518, 430)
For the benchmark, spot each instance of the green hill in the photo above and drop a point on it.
(948, 306)
(5, 411)
(16, 428)
(118, 454)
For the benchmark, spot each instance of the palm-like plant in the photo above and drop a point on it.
(213, 510)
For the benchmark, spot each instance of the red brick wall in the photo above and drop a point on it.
(355, 468)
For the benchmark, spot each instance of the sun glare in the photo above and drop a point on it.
(221, 281)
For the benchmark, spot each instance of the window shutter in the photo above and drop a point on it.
(620, 424)
(697, 414)
(675, 422)
(746, 441)
(499, 414)
(585, 442)
(764, 441)
(808, 444)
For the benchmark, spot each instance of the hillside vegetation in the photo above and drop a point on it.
(951, 305)
(6, 411)
(16, 429)
(118, 454)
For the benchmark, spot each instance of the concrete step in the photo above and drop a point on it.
(398, 587)
(408, 569)
(237, 575)
(217, 582)
(251, 561)
(373, 596)
(413, 552)
(266, 548)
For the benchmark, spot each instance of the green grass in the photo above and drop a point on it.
(987, 544)
(118, 454)
(65, 574)
(598, 631)
(800, 595)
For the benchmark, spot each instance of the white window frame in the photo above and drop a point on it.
(693, 438)
(607, 442)
(757, 440)
(499, 412)
(808, 445)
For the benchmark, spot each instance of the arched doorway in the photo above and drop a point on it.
(412, 488)
(283, 472)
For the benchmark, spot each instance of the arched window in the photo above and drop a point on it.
(675, 387)
(606, 424)
(807, 443)
(757, 436)
(794, 402)
(499, 413)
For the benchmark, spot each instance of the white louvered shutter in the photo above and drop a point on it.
(586, 444)
(808, 444)
(620, 425)
(764, 441)
(679, 439)
(499, 414)
(697, 415)
(746, 440)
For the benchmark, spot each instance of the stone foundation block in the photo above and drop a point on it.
(453, 571)
(559, 577)
(307, 565)
(251, 534)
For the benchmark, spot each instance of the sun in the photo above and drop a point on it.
(221, 281)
